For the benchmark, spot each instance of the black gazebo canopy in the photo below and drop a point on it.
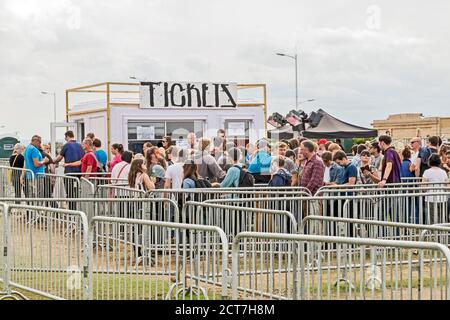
(330, 127)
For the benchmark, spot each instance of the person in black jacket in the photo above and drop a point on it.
(17, 162)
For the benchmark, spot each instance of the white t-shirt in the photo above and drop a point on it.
(326, 176)
(435, 175)
(120, 171)
(175, 174)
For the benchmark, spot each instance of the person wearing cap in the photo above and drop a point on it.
(322, 149)
(158, 174)
(259, 167)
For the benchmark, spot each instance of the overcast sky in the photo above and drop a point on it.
(360, 60)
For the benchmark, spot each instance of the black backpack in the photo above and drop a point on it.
(424, 161)
(246, 180)
(202, 184)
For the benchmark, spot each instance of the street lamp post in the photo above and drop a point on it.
(54, 103)
(296, 75)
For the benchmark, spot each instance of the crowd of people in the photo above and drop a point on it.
(218, 162)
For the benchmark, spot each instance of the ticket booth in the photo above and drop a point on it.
(134, 113)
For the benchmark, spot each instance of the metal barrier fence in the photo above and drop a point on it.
(424, 208)
(157, 260)
(283, 266)
(234, 220)
(148, 209)
(114, 191)
(45, 255)
(16, 182)
(183, 196)
(374, 188)
(358, 228)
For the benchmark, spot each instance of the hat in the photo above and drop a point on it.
(158, 172)
(322, 141)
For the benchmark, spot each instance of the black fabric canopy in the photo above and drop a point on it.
(285, 132)
(331, 128)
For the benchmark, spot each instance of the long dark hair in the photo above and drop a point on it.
(136, 167)
(190, 170)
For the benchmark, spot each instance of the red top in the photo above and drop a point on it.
(117, 159)
(88, 160)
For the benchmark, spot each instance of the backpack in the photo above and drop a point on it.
(424, 160)
(246, 180)
(202, 184)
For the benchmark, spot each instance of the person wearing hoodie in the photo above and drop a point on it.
(281, 177)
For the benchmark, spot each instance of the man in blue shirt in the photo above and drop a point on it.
(260, 165)
(350, 174)
(71, 152)
(34, 163)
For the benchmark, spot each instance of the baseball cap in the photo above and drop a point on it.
(322, 141)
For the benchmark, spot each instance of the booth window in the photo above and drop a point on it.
(140, 132)
(238, 131)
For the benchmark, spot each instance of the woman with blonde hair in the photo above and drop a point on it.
(138, 177)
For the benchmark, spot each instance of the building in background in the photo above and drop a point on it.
(402, 127)
(135, 113)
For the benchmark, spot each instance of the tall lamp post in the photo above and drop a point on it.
(296, 75)
(54, 103)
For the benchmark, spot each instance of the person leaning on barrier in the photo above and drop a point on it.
(350, 173)
(390, 172)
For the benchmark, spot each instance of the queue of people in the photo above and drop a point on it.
(217, 162)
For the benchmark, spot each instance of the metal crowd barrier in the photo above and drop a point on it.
(283, 266)
(115, 191)
(234, 220)
(45, 255)
(359, 228)
(424, 208)
(182, 196)
(16, 182)
(192, 263)
(148, 209)
(374, 188)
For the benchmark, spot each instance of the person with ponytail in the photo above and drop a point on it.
(116, 150)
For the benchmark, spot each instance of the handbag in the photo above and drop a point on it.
(10, 171)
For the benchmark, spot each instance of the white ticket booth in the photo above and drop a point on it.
(134, 113)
